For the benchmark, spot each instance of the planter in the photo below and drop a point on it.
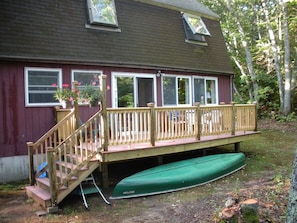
(66, 104)
(94, 103)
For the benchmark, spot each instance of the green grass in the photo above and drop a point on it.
(10, 189)
(14, 186)
(273, 150)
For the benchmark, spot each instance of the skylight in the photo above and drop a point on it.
(102, 12)
(196, 24)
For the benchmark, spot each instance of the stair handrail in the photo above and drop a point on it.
(83, 145)
(54, 137)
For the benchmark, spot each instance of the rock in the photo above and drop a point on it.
(231, 201)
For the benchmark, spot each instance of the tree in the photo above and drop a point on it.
(258, 35)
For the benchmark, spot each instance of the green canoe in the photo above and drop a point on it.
(178, 175)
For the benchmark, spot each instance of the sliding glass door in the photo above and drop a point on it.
(133, 90)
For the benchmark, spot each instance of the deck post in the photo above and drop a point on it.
(233, 118)
(256, 116)
(153, 123)
(51, 159)
(31, 163)
(76, 112)
(104, 175)
(237, 146)
(197, 124)
(159, 160)
(104, 114)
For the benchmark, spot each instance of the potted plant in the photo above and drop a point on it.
(65, 96)
(91, 95)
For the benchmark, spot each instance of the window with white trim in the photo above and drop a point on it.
(195, 29)
(176, 90)
(102, 12)
(86, 78)
(206, 90)
(40, 86)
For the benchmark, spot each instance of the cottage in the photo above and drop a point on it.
(162, 67)
(171, 53)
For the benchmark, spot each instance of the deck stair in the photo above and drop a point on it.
(58, 167)
(41, 193)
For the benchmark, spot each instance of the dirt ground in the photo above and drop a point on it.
(154, 209)
(201, 205)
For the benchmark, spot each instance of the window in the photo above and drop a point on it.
(195, 29)
(102, 12)
(176, 90)
(85, 78)
(40, 86)
(205, 91)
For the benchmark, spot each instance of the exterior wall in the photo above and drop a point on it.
(225, 89)
(20, 124)
(20, 170)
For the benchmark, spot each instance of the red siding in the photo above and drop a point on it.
(225, 89)
(20, 124)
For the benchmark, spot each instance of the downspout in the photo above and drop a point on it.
(231, 87)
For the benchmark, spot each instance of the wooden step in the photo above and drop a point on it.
(39, 195)
(62, 175)
(68, 166)
(43, 183)
(78, 159)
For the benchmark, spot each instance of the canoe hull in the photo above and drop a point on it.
(178, 175)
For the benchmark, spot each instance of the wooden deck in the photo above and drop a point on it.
(73, 150)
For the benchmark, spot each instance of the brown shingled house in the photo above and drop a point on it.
(169, 52)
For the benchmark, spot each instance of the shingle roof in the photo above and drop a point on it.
(151, 36)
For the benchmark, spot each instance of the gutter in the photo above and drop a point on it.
(111, 64)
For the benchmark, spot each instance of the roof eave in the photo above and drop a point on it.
(212, 16)
(112, 64)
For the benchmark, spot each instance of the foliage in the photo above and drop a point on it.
(258, 58)
(125, 90)
(64, 94)
(90, 94)
(288, 118)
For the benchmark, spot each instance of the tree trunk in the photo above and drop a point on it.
(292, 205)
(249, 211)
(293, 81)
(287, 96)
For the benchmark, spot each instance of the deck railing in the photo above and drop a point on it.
(76, 151)
(150, 124)
(129, 125)
(65, 161)
(54, 137)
